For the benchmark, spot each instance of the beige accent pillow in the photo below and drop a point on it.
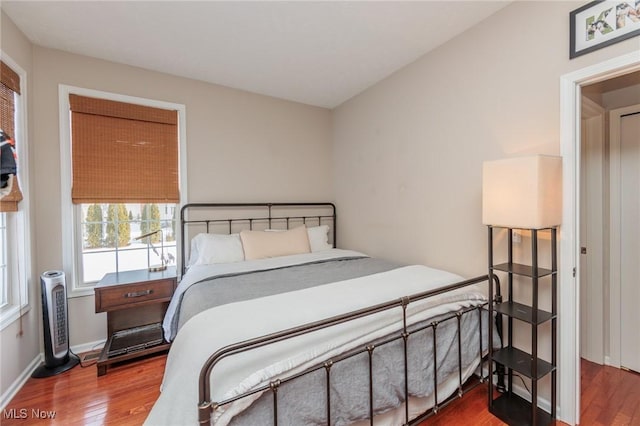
(262, 244)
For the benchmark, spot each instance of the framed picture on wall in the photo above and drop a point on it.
(602, 23)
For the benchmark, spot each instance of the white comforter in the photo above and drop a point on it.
(215, 328)
(202, 272)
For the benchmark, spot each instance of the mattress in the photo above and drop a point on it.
(228, 321)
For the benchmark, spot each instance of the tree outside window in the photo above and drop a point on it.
(118, 226)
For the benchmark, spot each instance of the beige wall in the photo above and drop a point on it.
(408, 151)
(17, 350)
(406, 156)
(240, 147)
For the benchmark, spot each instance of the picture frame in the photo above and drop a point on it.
(602, 23)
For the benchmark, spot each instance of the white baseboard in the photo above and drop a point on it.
(26, 374)
(608, 361)
(522, 392)
(86, 347)
(20, 381)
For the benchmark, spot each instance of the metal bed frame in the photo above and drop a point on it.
(269, 217)
(206, 406)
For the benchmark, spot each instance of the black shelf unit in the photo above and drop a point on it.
(511, 408)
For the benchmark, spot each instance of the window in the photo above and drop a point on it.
(14, 296)
(109, 238)
(3, 260)
(121, 174)
(14, 208)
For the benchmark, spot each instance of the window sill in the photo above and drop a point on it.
(80, 292)
(10, 314)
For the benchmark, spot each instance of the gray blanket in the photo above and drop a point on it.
(250, 285)
(303, 401)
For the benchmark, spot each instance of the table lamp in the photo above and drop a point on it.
(522, 192)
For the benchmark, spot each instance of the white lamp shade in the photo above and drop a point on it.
(522, 192)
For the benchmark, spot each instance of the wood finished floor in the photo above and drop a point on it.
(609, 396)
(122, 397)
(126, 394)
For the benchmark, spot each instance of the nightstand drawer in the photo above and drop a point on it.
(130, 295)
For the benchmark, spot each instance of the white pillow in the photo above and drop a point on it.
(319, 238)
(215, 248)
(261, 244)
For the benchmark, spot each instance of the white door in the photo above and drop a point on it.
(630, 241)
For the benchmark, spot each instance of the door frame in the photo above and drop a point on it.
(569, 297)
(591, 236)
(615, 232)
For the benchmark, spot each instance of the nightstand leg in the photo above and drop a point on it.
(102, 370)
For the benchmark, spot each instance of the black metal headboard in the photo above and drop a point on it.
(226, 218)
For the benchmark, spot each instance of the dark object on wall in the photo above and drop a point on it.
(57, 357)
(7, 159)
(600, 24)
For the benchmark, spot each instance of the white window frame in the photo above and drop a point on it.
(4, 262)
(19, 262)
(71, 213)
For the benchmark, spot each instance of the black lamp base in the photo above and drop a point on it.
(44, 371)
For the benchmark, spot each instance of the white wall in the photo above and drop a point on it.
(621, 97)
(590, 332)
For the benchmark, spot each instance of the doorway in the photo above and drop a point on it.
(625, 234)
(569, 297)
(608, 213)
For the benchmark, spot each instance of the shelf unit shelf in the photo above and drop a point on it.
(523, 270)
(509, 407)
(523, 312)
(521, 362)
(515, 410)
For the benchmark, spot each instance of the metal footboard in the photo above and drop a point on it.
(206, 406)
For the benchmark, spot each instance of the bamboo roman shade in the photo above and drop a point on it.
(9, 85)
(9, 77)
(123, 153)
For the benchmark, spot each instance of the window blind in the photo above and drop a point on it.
(9, 77)
(9, 85)
(122, 152)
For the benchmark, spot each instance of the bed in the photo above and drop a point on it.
(266, 330)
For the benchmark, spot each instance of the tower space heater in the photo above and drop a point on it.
(57, 357)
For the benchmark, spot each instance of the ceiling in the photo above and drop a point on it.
(617, 83)
(316, 52)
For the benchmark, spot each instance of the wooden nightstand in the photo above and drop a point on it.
(135, 303)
